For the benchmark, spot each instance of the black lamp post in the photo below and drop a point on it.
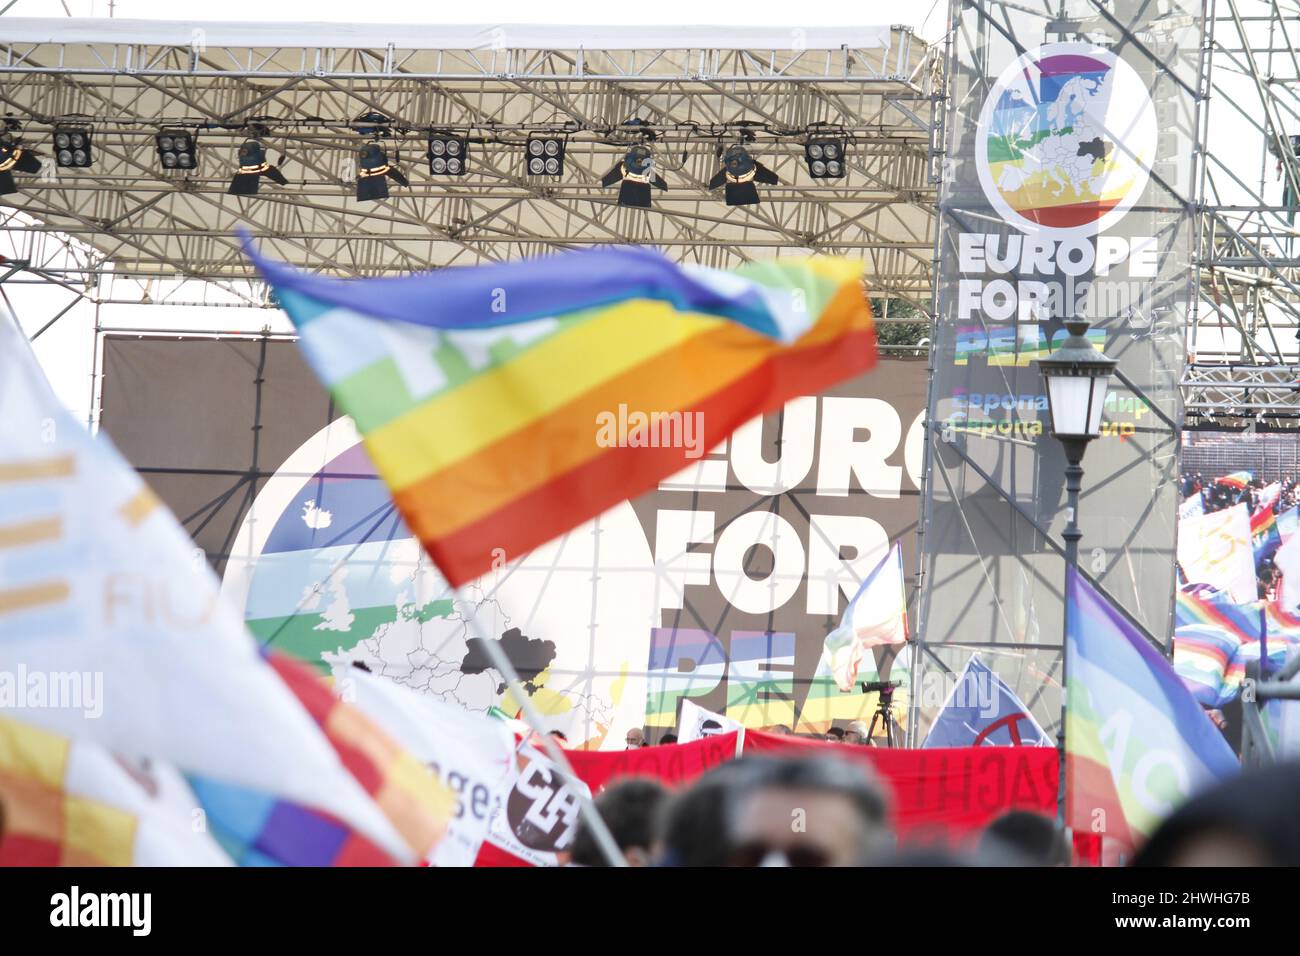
(1077, 376)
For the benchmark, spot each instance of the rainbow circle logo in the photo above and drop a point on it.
(1065, 141)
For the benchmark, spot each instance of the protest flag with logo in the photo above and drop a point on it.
(982, 711)
(1137, 742)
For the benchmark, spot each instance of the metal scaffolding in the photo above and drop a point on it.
(126, 229)
(1242, 346)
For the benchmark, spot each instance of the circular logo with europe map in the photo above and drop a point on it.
(1066, 140)
(325, 570)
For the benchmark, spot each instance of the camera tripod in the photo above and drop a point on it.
(884, 715)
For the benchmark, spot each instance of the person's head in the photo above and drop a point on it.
(781, 730)
(1249, 820)
(835, 734)
(806, 811)
(668, 739)
(1023, 838)
(635, 738)
(630, 808)
(692, 823)
(856, 732)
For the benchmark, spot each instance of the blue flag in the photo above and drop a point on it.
(982, 711)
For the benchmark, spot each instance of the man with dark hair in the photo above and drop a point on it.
(668, 739)
(630, 808)
(1023, 838)
(692, 823)
(806, 811)
(835, 734)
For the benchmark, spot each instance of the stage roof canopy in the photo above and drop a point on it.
(686, 91)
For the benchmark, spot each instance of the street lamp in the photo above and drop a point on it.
(1077, 376)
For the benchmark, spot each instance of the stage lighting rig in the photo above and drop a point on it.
(177, 149)
(636, 174)
(373, 172)
(740, 171)
(544, 156)
(72, 147)
(253, 165)
(448, 154)
(825, 158)
(14, 156)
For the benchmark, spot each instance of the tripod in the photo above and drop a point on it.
(884, 716)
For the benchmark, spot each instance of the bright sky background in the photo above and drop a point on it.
(65, 351)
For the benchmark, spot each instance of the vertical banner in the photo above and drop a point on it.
(1069, 137)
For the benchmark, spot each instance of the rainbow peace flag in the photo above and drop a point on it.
(1137, 743)
(1238, 479)
(506, 404)
(69, 802)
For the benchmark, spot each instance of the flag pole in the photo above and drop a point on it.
(586, 806)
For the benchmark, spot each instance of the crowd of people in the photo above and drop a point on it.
(824, 811)
(1216, 494)
(855, 732)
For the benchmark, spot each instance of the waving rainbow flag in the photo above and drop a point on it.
(1137, 742)
(507, 404)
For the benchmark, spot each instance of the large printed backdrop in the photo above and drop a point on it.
(720, 586)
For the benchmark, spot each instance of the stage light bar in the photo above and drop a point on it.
(740, 171)
(373, 172)
(177, 149)
(448, 155)
(72, 148)
(253, 165)
(636, 174)
(825, 158)
(544, 156)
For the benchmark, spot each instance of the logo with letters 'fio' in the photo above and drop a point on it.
(1066, 140)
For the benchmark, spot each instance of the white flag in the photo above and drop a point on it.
(696, 723)
(877, 615)
(1215, 549)
(112, 614)
(470, 752)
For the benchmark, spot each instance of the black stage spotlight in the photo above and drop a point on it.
(373, 172)
(14, 155)
(253, 166)
(545, 156)
(825, 158)
(448, 155)
(72, 147)
(177, 149)
(739, 172)
(636, 172)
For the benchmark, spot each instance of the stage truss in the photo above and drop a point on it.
(126, 230)
(1243, 363)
